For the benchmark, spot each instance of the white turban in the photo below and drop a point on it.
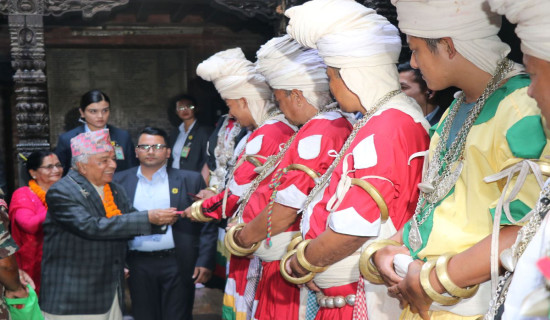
(362, 44)
(235, 77)
(533, 23)
(470, 23)
(287, 65)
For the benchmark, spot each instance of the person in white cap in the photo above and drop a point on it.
(249, 99)
(527, 295)
(300, 84)
(370, 189)
(483, 140)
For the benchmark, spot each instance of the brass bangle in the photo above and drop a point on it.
(196, 212)
(375, 195)
(297, 238)
(367, 268)
(430, 291)
(213, 189)
(252, 159)
(307, 170)
(301, 256)
(233, 247)
(448, 284)
(282, 266)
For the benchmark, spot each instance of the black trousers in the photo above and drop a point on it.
(158, 290)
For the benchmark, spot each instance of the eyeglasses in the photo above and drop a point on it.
(183, 108)
(51, 166)
(147, 147)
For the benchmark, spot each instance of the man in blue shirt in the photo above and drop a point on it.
(164, 268)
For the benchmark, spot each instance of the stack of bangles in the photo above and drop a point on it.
(456, 293)
(367, 268)
(196, 212)
(232, 245)
(299, 251)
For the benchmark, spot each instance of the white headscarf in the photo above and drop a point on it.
(235, 77)
(533, 24)
(470, 23)
(352, 37)
(287, 65)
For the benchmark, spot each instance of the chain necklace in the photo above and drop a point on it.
(444, 169)
(269, 166)
(356, 127)
(223, 152)
(525, 235)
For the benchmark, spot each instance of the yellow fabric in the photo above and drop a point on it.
(434, 315)
(463, 218)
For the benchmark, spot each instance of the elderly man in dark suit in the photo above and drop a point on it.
(162, 268)
(86, 230)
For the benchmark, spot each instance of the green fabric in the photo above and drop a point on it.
(228, 313)
(526, 137)
(491, 105)
(425, 229)
(29, 309)
(518, 210)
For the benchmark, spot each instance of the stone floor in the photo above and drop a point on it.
(208, 304)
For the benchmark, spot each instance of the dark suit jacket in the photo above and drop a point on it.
(119, 136)
(197, 139)
(84, 251)
(195, 242)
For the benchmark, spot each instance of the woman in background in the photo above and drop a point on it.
(28, 210)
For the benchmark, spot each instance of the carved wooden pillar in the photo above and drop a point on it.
(26, 30)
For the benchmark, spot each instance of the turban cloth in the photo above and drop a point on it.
(91, 143)
(287, 65)
(362, 44)
(346, 33)
(533, 23)
(470, 23)
(235, 77)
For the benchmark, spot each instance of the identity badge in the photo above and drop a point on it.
(185, 152)
(119, 154)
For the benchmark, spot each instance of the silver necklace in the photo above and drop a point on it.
(268, 168)
(356, 127)
(445, 167)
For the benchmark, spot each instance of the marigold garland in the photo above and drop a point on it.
(109, 202)
(38, 191)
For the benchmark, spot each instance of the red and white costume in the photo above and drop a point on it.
(380, 154)
(314, 146)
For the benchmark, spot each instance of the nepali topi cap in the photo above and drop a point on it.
(91, 143)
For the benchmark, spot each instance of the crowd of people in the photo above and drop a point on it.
(349, 190)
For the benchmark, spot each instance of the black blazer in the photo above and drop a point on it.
(119, 136)
(84, 252)
(195, 242)
(197, 140)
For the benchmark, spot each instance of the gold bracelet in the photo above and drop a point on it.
(448, 284)
(213, 189)
(430, 291)
(233, 247)
(307, 170)
(282, 266)
(367, 268)
(301, 256)
(296, 239)
(196, 212)
(375, 195)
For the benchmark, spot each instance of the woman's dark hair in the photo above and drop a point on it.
(93, 96)
(173, 113)
(35, 159)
